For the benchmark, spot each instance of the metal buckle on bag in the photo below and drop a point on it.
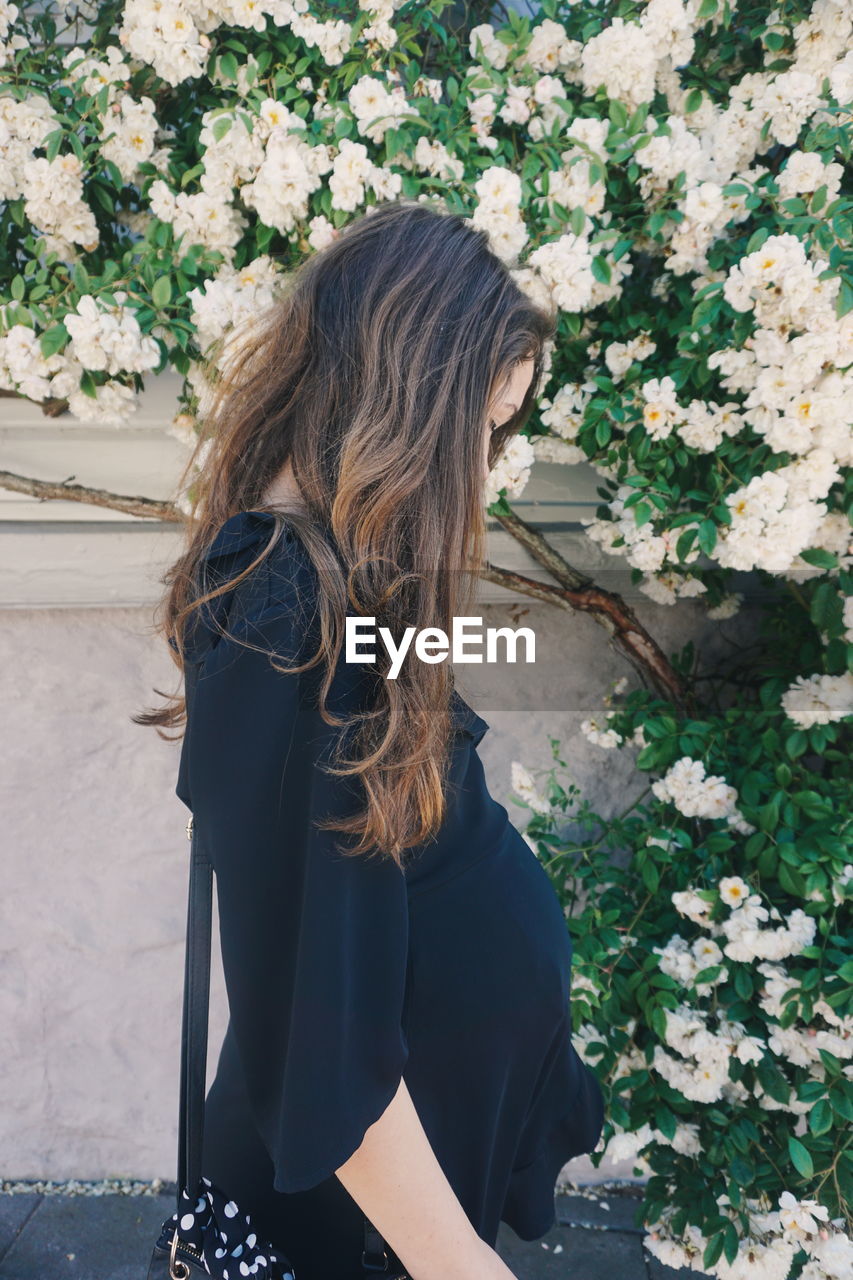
(374, 1266)
(175, 1262)
(190, 827)
(383, 1268)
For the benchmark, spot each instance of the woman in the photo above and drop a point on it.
(396, 961)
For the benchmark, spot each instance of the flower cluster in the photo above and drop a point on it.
(671, 180)
(102, 337)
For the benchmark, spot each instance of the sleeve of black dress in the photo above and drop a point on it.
(314, 943)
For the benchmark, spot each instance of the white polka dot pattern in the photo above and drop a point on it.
(217, 1231)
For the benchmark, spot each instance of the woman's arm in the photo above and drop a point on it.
(396, 1180)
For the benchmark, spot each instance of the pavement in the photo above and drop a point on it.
(87, 1233)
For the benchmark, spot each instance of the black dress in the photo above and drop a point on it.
(344, 974)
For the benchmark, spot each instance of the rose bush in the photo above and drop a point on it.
(675, 176)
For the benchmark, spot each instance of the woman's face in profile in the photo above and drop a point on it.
(506, 405)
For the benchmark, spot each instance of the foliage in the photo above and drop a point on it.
(712, 967)
(674, 175)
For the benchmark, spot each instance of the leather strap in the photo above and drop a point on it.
(195, 1017)
(194, 1042)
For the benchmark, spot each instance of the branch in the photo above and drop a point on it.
(52, 408)
(132, 506)
(577, 591)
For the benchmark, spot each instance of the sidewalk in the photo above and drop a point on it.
(99, 1235)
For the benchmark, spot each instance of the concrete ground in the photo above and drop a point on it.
(50, 1235)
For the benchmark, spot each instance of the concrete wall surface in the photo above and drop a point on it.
(94, 858)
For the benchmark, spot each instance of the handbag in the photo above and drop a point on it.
(209, 1234)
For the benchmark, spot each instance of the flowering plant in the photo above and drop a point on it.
(674, 176)
(712, 962)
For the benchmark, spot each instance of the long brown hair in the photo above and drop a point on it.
(373, 374)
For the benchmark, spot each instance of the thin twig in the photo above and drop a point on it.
(576, 590)
(47, 490)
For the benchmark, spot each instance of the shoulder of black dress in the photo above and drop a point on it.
(283, 583)
(248, 530)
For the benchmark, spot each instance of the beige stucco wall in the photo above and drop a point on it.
(94, 867)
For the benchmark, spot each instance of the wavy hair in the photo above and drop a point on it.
(372, 375)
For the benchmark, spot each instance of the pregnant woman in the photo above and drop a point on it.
(397, 963)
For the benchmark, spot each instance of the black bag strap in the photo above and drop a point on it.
(195, 1017)
(194, 1042)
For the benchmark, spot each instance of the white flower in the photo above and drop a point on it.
(231, 298)
(688, 903)
(53, 192)
(805, 172)
(619, 356)
(685, 785)
(733, 891)
(600, 737)
(483, 45)
(566, 267)
(728, 607)
(622, 59)
(108, 337)
(512, 470)
(819, 699)
(523, 785)
(800, 1216)
(661, 410)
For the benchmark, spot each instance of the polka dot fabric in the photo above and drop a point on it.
(221, 1236)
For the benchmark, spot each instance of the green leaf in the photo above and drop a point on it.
(685, 542)
(842, 1104)
(603, 432)
(650, 876)
(665, 1121)
(530, 167)
(820, 1118)
(772, 1081)
(87, 385)
(601, 269)
(577, 220)
(17, 288)
(222, 124)
(822, 559)
(743, 982)
(707, 536)
(52, 143)
(657, 1018)
(53, 340)
(824, 604)
(189, 175)
(774, 40)
(845, 297)
(264, 236)
(76, 146)
(757, 239)
(161, 293)
(228, 66)
(713, 1250)
(800, 1157)
(693, 101)
(618, 113)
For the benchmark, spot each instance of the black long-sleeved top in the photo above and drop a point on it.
(344, 974)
